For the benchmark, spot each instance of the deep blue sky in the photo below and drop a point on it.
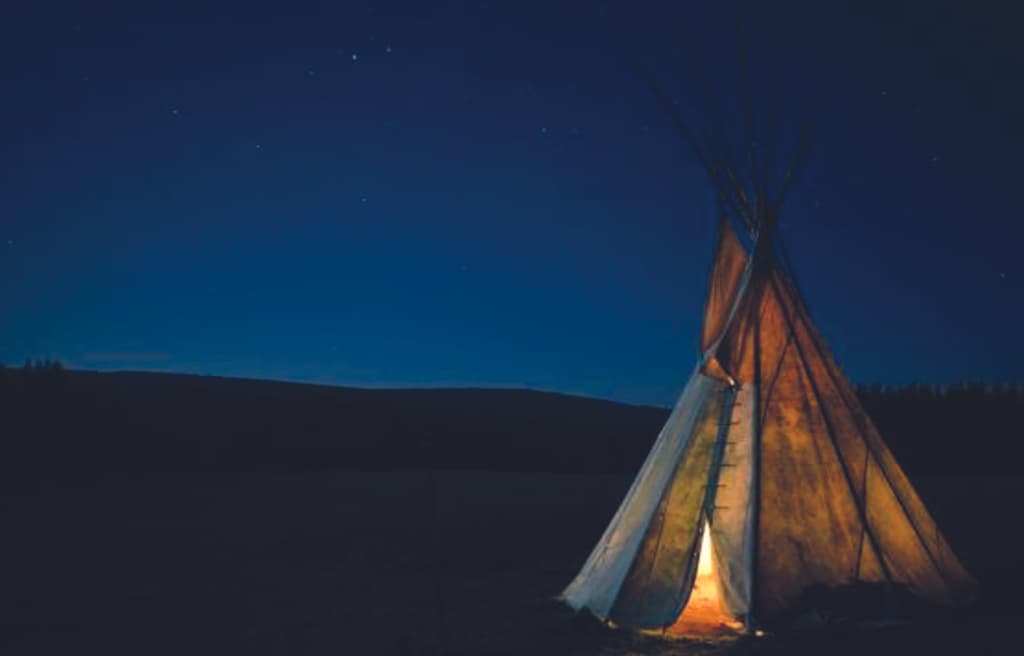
(408, 193)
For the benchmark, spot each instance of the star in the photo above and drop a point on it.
(388, 50)
(363, 200)
(10, 243)
(310, 72)
(543, 130)
(1003, 275)
(174, 111)
(259, 146)
(355, 56)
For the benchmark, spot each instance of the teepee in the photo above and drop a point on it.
(769, 488)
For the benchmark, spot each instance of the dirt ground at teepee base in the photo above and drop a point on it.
(391, 564)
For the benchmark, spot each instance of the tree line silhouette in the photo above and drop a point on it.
(58, 419)
(970, 427)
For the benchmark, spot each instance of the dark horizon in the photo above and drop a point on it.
(867, 387)
(84, 425)
(394, 195)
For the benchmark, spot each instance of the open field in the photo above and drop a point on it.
(391, 563)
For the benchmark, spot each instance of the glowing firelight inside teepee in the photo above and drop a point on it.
(704, 612)
(706, 566)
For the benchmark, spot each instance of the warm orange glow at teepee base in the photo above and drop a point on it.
(704, 614)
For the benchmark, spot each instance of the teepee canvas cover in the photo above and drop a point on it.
(769, 463)
(768, 480)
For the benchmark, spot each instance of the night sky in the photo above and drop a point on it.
(486, 194)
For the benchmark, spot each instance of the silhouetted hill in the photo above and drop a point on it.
(60, 421)
(150, 421)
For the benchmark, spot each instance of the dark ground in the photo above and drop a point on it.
(238, 532)
(348, 563)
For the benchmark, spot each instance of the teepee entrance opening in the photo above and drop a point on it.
(704, 613)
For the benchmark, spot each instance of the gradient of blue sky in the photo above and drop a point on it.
(391, 193)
